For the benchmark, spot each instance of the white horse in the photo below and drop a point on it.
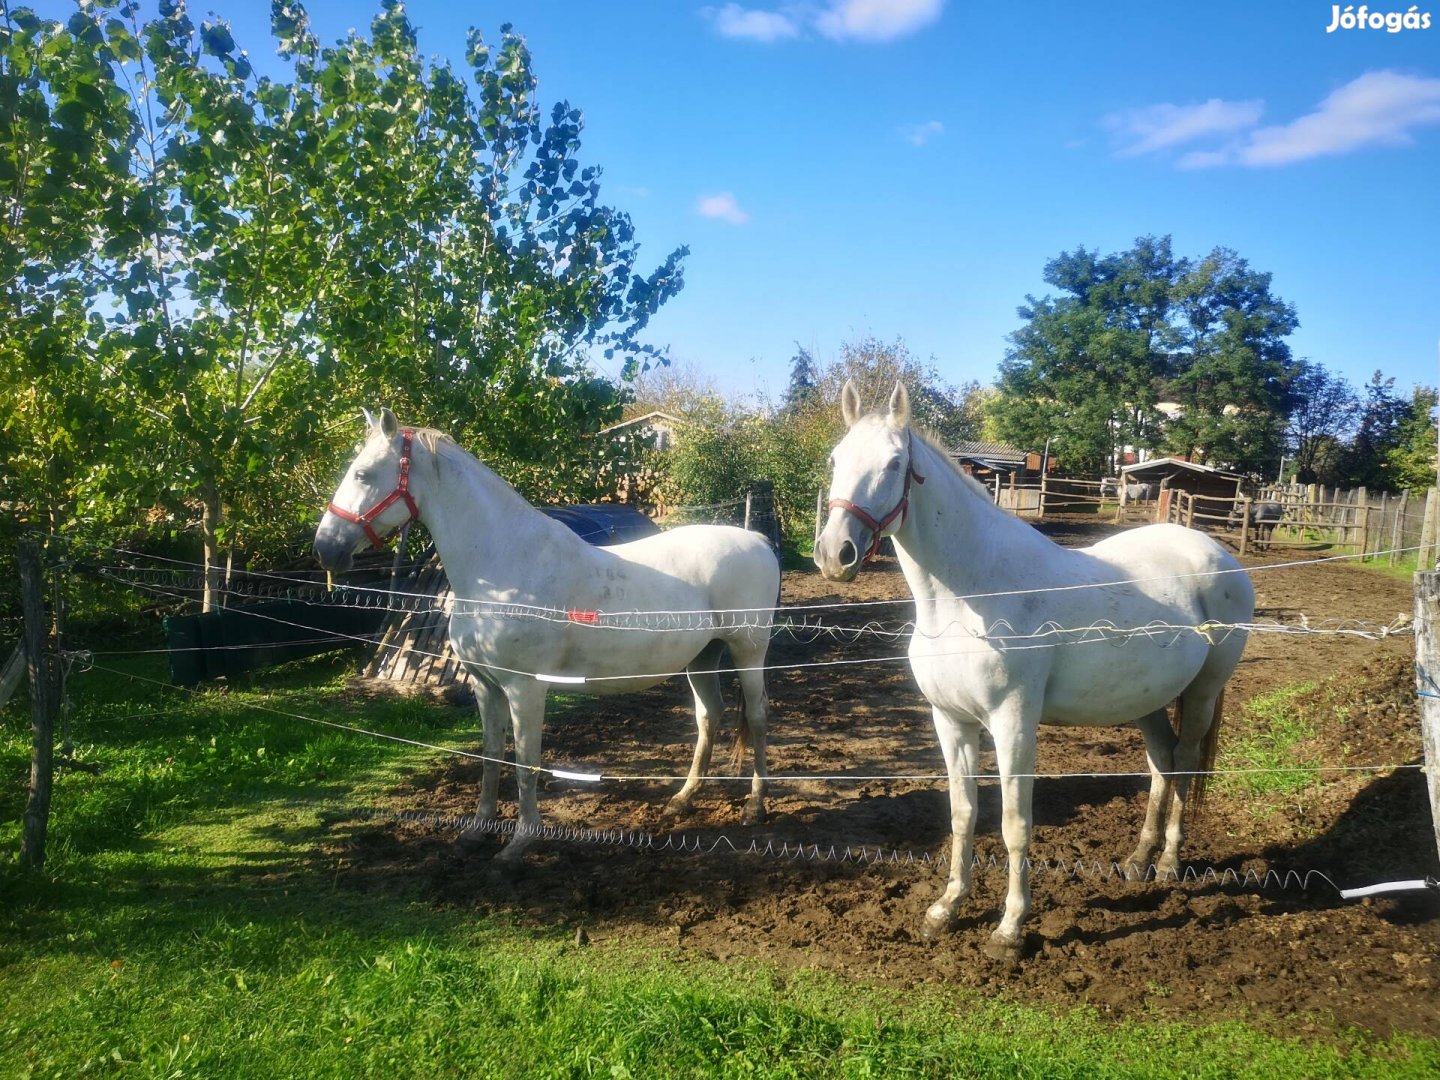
(537, 607)
(980, 576)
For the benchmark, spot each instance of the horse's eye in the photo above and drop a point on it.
(362, 476)
(894, 466)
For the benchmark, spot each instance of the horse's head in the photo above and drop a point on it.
(872, 473)
(373, 500)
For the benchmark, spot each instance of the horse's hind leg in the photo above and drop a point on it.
(1160, 752)
(704, 679)
(750, 664)
(1197, 715)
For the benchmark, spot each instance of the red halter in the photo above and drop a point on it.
(402, 491)
(878, 527)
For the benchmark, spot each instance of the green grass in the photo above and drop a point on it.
(1270, 737)
(187, 925)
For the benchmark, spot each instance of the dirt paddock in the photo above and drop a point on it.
(1291, 959)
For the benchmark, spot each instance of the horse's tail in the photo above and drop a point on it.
(1208, 749)
(742, 731)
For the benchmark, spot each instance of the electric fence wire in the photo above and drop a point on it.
(1000, 635)
(403, 600)
(1248, 879)
(88, 664)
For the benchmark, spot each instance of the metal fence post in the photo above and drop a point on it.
(1427, 672)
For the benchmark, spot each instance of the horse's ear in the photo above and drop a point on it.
(388, 424)
(900, 405)
(369, 417)
(850, 403)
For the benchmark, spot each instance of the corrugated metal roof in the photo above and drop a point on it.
(992, 451)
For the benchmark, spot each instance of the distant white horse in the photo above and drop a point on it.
(980, 577)
(536, 606)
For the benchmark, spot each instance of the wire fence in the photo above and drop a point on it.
(805, 624)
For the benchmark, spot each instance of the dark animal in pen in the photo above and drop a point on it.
(1262, 517)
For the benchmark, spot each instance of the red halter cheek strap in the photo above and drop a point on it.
(402, 491)
(878, 526)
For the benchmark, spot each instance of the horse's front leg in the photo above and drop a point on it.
(960, 744)
(494, 716)
(526, 698)
(709, 707)
(1014, 729)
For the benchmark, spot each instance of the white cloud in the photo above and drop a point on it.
(1380, 108)
(1159, 127)
(734, 21)
(876, 20)
(839, 20)
(920, 134)
(722, 207)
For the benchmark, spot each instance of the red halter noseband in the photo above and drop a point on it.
(879, 526)
(402, 491)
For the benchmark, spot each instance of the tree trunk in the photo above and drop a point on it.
(209, 525)
(42, 706)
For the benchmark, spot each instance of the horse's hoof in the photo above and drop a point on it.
(936, 926)
(1167, 870)
(674, 811)
(1135, 870)
(471, 842)
(1001, 949)
(754, 814)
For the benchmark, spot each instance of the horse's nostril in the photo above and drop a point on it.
(848, 554)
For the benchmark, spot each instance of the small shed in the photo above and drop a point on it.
(986, 460)
(1012, 473)
(1161, 476)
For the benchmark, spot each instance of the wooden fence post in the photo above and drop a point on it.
(1426, 560)
(42, 705)
(1427, 676)
(1244, 522)
(1397, 530)
(1041, 514)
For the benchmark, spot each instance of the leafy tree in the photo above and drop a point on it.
(804, 379)
(1323, 409)
(681, 389)
(1410, 463)
(875, 367)
(65, 134)
(1132, 329)
(280, 250)
(1233, 366)
(1378, 432)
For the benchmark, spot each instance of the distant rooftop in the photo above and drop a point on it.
(988, 451)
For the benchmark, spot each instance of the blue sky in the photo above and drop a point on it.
(905, 168)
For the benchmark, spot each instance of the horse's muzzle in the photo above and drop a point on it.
(838, 554)
(333, 549)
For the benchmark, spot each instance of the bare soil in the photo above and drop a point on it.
(1281, 950)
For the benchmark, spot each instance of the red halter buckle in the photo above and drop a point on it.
(878, 527)
(402, 491)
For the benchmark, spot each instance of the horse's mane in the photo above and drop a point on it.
(442, 445)
(932, 439)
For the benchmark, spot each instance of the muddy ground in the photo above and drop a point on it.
(1285, 951)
